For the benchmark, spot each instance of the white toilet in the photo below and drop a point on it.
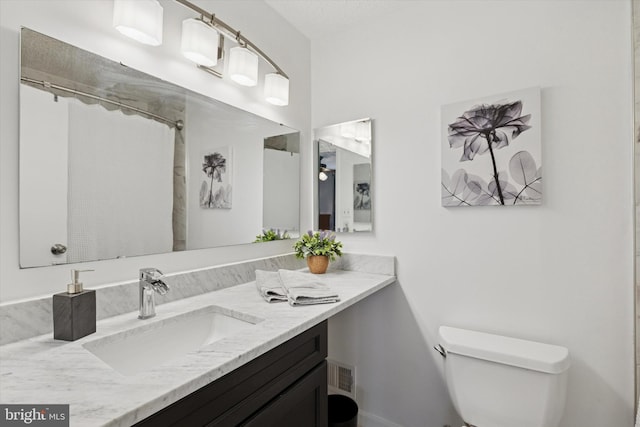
(497, 381)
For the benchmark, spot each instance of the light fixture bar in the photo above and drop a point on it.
(232, 33)
(210, 71)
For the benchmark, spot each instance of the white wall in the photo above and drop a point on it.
(559, 273)
(87, 24)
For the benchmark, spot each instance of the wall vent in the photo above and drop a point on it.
(341, 378)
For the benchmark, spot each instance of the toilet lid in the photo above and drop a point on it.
(500, 349)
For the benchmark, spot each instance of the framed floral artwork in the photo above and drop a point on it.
(362, 192)
(491, 151)
(216, 186)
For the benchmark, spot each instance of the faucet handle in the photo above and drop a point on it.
(150, 274)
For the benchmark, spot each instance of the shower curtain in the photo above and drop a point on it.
(120, 184)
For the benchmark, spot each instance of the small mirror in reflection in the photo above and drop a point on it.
(344, 176)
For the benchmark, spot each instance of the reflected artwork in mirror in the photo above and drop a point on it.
(113, 162)
(344, 176)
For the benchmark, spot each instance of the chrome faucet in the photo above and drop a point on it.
(150, 283)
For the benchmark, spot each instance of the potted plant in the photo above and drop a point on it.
(318, 248)
(270, 235)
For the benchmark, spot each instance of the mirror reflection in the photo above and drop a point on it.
(344, 176)
(116, 163)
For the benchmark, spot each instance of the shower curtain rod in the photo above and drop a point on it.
(179, 124)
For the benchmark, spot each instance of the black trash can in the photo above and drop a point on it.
(343, 411)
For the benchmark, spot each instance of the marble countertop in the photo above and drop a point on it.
(42, 370)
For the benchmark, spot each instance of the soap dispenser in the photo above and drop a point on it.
(74, 311)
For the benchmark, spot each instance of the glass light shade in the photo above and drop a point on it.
(323, 176)
(139, 19)
(276, 89)
(347, 130)
(199, 42)
(243, 66)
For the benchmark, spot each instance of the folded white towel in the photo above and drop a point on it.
(305, 289)
(269, 286)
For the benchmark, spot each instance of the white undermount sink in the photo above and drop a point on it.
(149, 345)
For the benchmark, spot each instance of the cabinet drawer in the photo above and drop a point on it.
(304, 404)
(231, 399)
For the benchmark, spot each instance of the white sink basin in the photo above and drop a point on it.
(149, 345)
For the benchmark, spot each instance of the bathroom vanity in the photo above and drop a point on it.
(266, 368)
(285, 386)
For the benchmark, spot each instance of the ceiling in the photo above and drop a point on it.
(316, 18)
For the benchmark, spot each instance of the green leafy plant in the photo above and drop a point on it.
(318, 243)
(270, 235)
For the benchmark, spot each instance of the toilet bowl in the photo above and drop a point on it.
(498, 381)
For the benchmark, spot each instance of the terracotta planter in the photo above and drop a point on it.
(318, 263)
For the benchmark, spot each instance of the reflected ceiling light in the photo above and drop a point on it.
(347, 130)
(276, 89)
(363, 132)
(199, 42)
(243, 66)
(322, 176)
(139, 19)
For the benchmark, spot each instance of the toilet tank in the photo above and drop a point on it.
(498, 381)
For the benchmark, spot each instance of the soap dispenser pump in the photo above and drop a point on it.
(75, 287)
(74, 311)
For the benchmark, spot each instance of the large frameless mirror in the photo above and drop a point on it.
(344, 175)
(116, 163)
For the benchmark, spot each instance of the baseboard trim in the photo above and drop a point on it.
(366, 419)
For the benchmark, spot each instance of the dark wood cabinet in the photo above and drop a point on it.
(303, 404)
(286, 386)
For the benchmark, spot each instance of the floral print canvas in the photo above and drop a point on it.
(362, 192)
(491, 151)
(215, 189)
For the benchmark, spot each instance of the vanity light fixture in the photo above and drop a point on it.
(203, 43)
(139, 19)
(243, 66)
(276, 89)
(244, 59)
(200, 42)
